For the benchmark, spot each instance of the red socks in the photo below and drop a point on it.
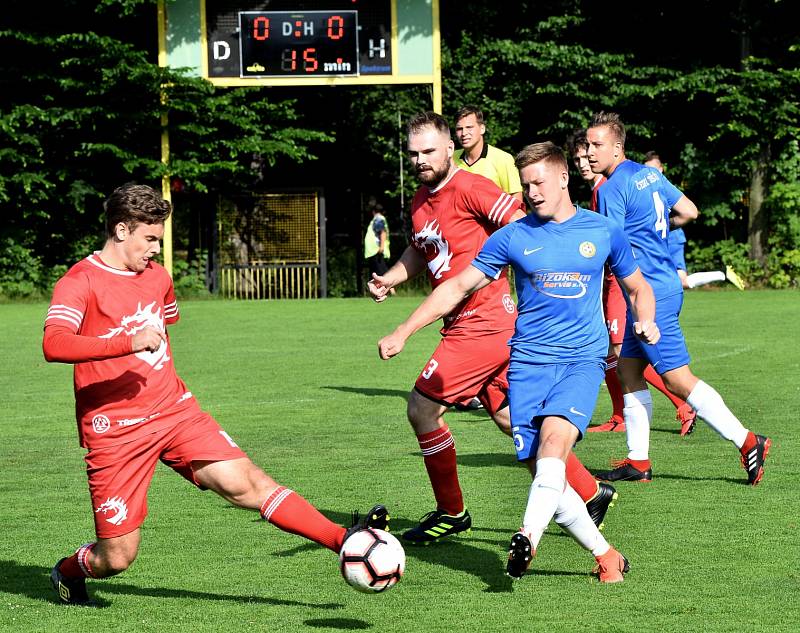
(749, 442)
(288, 511)
(614, 388)
(77, 565)
(651, 376)
(581, 480)
(439, 453)
(640, 464)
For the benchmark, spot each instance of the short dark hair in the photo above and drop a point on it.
(467, 110)
(612, 121)
(134, 204)
(577, 140)
(428, 119)
(547, 151)
(651, 155)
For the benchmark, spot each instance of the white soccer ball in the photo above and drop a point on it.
(372, 560)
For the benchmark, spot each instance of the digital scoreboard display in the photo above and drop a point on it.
(308, 43)
(293, 39)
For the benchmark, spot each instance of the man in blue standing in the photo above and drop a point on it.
(559, 343)
(641, 201)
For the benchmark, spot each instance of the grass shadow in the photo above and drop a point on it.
(459, 554)
(483, 558)
(33, 581)
(345, 624)
(484, 460)
(665, 431)
(370, 391)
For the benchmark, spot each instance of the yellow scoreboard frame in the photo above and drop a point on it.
(183, 43)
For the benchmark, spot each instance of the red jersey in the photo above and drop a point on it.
(595, 187)
(611, 280)
(118, 398)
(451, 224)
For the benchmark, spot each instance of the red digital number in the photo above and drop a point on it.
(261, 28)
(335, 27)
(310, 63)
(288, 60)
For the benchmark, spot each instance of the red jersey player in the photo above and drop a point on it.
(614, 309)
(108, 316)
(453, 214)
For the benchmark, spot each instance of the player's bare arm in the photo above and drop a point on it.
(643, 306)
(439, 303)
(410, 264)
(683, 212)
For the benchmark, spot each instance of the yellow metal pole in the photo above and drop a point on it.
(437, 60)
(165, 180)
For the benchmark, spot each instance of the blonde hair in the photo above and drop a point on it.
(612, 121)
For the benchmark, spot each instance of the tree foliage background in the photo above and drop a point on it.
(713, 86)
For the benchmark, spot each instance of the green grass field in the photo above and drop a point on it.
(300, 387)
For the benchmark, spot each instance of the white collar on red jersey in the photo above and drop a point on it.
(94, 258)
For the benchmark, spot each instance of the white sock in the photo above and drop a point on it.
(638, 411)
(710, 406)
(546, 489)
(574, 519)
(701, 279)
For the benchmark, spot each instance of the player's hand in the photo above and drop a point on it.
(379, 287)
(149, 339)
(647, 331)
(390, 346)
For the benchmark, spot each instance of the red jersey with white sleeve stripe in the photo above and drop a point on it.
(93, 315)
(451, 223)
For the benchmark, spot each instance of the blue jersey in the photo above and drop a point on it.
(558, 272)
(639, 198)
(677, 242)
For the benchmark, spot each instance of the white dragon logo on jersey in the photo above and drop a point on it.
(130, 325)
(116, 505)
(430, 237)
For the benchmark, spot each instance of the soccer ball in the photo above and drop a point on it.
(372, 560)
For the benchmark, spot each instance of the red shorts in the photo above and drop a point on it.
(614, 309)
(464, 367)
(120, 475)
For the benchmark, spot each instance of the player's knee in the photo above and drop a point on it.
(680, 385)
(503, 423)
(250, 487)
(415, 413)
(116, 561)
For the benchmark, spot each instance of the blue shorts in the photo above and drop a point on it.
(670, 352)
(537, 391)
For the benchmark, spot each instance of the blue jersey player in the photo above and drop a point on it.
(559, 343)
(677, 244)
(638, 198)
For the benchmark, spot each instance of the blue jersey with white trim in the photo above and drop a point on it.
(639, 198)
(558, 272)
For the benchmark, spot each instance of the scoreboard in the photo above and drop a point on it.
(293, 39)
(303, 42)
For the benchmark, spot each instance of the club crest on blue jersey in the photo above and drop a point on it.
(560, 285)
(587, 249)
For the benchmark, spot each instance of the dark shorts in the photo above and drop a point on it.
(378, 265)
